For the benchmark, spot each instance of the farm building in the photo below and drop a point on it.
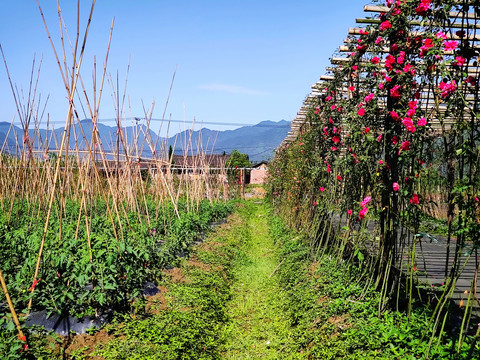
(259, 173)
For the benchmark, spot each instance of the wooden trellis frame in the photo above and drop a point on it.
(470, 21)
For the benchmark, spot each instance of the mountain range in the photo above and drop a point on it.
(258, 141)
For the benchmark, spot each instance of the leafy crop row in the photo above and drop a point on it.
(72, 281)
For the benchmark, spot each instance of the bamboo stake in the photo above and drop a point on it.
(10, 306)
(71, 91)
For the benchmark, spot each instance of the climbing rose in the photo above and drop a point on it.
(375, 60)
(361, 111)
(366, 201)
(396, 186)
(339, 178)
(362, 48)
(422, 122)
(395, 92)
(322, 189)
(389, 62)
(470, 80)
(369, 97)
(409, 124)
(424, 6)
(414, 199)
(450, 45)
(428, 44)
(405, 146)
(411, 112)
(447, 88)
(351, 88)
(459, 61)
(409, 69)
(367, 130)
(349, 212)
(362, 213)
(394, 115)
(441, 35)
(385, 25)
(336, 139)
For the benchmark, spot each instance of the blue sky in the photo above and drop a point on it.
(237, 61)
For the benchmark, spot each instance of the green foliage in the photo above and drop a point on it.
(238, 160)
(10, 346)
(191, 327)
(334, 312)
(388, 140)
(76, 281)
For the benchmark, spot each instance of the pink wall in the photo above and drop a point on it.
(258, 175)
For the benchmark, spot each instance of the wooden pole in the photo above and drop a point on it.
(12, 309)
(242, 182)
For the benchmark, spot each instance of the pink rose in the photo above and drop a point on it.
(450, 45)
(362, 213)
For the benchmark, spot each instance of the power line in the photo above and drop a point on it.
(138, 119)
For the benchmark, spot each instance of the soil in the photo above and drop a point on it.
(158, 302)
(202, 266)
(194, 262)
(84, 344)
(176, 275)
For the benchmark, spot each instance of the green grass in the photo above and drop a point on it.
(258, 328)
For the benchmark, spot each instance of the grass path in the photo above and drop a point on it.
(259, 329)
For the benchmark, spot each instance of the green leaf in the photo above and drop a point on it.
(360, 256)
(109, 286)
(10, 326)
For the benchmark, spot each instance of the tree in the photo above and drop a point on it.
(238, 159)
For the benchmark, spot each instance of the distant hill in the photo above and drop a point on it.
(258, 141)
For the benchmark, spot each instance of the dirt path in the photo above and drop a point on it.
(259, 329)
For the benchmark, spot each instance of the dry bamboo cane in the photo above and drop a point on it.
(57, 169)
(94, 117)
(10, 306)
(1, 162)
